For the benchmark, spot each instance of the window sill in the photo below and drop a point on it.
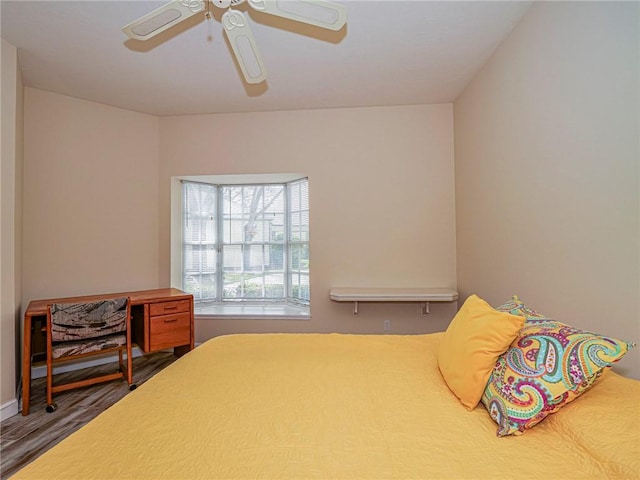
(252, 312)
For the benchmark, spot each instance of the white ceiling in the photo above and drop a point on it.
(390, 53)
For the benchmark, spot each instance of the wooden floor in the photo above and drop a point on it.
(23, 439)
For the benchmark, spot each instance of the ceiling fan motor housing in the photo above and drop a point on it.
(226, 3)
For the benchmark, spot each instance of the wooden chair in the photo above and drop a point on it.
(77, 330)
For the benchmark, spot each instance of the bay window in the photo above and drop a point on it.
(246, 244)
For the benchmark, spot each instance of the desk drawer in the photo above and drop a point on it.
(167, 331)
(166, 308)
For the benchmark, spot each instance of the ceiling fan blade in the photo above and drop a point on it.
(320, 13)
(163, 18)
(244, 46)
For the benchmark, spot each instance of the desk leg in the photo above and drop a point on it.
(26, 365)
(180, 351)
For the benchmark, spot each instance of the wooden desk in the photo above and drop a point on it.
(160, 318)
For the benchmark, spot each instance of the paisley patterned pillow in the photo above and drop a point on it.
(549, 365)
(516, 307)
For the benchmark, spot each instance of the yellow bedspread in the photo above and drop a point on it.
(336, 407)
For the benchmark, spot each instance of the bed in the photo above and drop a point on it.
(337, 406)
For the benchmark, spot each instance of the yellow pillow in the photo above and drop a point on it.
(470, 347)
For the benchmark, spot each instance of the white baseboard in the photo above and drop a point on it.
(8, 409)
(41, 370)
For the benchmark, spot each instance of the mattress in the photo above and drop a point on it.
(334, 406)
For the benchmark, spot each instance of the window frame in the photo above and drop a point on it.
(300, 306)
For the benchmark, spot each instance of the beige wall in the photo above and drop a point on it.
(90, 198)
(11, 231)
(381, 202)
(547, 159)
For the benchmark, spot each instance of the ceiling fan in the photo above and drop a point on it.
(321, 13)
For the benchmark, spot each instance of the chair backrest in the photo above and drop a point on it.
(76, 321)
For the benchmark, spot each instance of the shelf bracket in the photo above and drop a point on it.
(425, 309)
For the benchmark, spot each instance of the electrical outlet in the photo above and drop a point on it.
(387, 325)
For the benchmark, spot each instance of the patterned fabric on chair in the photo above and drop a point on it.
(89, 328)
(79, 328)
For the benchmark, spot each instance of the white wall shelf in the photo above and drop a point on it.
(373, 294)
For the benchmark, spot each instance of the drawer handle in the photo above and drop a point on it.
(169, 320)
(170, 307)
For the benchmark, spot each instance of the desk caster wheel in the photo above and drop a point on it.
(132, 387)
(51, 408)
